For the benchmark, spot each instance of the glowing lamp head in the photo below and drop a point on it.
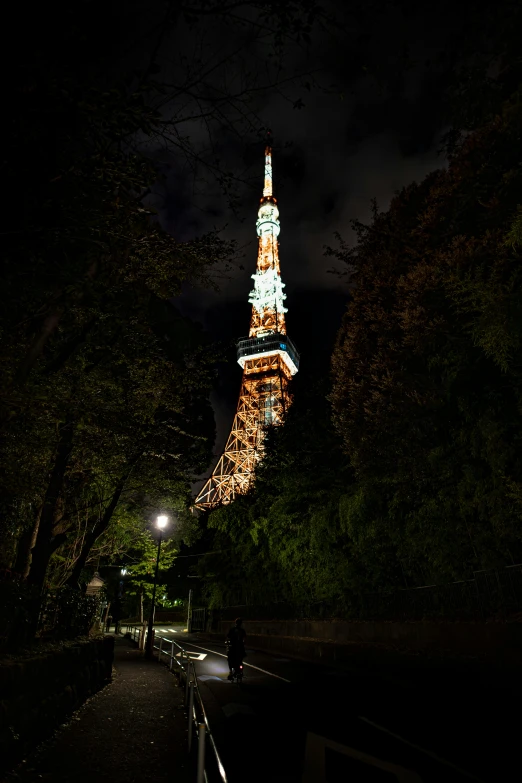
(162, 522)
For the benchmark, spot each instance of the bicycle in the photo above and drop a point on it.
(236, 667)
(237, 674)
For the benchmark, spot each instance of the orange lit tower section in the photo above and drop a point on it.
(268, 358)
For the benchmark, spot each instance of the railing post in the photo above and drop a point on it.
(181, 667)
(171, 655)
(187, 670)
(160, 648)
(190, 714)
(201, 753)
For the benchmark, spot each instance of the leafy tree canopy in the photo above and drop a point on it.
(427, 377)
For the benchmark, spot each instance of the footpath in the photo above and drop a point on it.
(133, 730)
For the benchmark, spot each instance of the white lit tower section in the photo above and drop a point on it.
(268, 358)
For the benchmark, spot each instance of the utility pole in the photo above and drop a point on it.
(189, 614)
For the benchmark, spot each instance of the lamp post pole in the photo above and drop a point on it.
(149, 647)
(189, 613)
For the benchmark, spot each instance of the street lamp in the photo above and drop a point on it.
(161, 523)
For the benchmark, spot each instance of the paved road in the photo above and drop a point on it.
(352, 724)
(163, 630)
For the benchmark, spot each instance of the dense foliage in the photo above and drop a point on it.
(104, 410)
(427, 376)
(140, 571)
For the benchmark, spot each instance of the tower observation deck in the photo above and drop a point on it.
(268, 358)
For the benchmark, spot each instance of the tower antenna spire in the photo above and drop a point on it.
(268, 359)
(267, 189)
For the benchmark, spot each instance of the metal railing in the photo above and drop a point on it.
(134, 632)
(490, 594)
(178, 660)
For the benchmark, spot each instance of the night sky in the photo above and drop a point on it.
(366, 121)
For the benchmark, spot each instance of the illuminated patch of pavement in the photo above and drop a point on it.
(205, 677)
(236, 709)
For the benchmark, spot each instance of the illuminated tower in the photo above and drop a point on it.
(268, 358)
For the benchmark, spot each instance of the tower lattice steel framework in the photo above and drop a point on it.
(268, 358)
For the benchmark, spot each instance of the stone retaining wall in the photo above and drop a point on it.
(331, 641)
(38, 694)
